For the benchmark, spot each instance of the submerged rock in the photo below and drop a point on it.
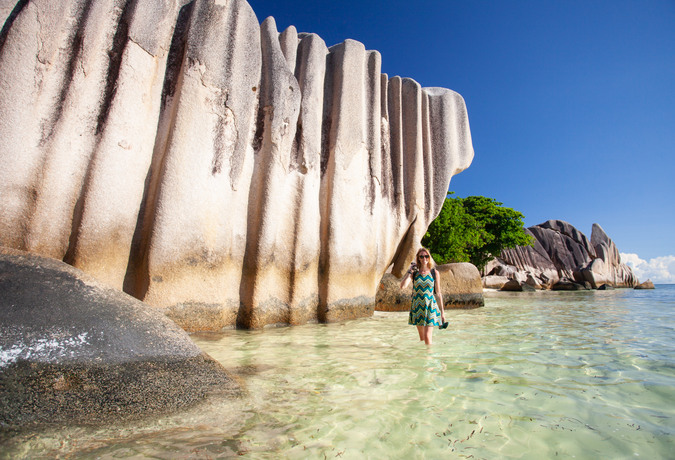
(74, 351)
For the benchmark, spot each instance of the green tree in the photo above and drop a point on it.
(474, 229)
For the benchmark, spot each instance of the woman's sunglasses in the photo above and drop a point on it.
(425, 256)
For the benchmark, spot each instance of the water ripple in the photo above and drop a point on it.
(531, 375)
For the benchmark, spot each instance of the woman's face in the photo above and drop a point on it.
(423, 258)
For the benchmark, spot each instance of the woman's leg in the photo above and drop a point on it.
(420, 331)
(428, 332)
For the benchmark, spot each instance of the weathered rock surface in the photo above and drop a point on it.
(646, 285)
(561, 253)
(213, 167)
(460, 284)
(607, 268)
(74, 351)
(494, 281)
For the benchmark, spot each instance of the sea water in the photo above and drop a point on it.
(538, 375)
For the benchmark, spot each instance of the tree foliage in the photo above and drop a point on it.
(474, 229)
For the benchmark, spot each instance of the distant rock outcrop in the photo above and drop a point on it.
(561, 258)
(75, 351)
(214, 167)
(646, 285)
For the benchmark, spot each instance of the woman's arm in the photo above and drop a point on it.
(406, 279)
(408, 275)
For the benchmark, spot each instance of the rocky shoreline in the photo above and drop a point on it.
(561, 258)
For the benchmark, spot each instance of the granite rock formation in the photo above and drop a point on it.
(645, 285)
(75, 351)
(214, 167)
(561, 255)
(460, 284)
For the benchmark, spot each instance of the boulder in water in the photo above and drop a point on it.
(568, 285)
(646, 285)
(75, 351)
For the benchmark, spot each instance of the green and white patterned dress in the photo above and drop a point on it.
(424, 309)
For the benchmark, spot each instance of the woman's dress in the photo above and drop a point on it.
(424, 309)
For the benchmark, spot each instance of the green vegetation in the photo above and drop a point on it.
(474, 229)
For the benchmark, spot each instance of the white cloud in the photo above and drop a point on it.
(660, 270)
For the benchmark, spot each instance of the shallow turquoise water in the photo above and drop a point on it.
(530, 375)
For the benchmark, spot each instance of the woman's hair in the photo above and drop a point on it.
(417, 257)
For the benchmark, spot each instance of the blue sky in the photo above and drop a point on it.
(571, 103)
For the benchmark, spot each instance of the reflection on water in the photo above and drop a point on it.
(530, 375)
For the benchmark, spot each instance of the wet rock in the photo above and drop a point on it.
(74, 351)
(568, 285)
(511, 285)
(517, 286)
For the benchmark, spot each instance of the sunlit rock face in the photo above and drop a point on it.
(210, 165)
(607, 268)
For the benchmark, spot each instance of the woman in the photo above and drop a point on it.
(426, 298)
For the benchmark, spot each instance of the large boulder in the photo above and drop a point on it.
(75, 351)
(213, 167)
(494, 281)
(567, 248)
(390, 296)
(646, 285)
(569, 285)
(530, 261)
(460, 284)
(607, 267)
